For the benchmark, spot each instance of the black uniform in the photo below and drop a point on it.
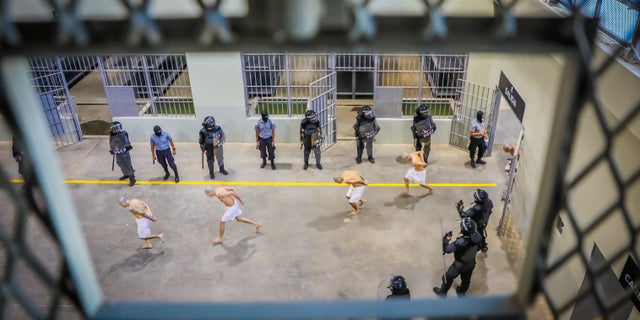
(310, 136)
(211, 138)
(18, 154)
(464, 249)
(423, 127)
(479, 213)
(119, 146)
(366, 128)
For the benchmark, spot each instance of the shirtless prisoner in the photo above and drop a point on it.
(417, 174)
(230, 197)
(144, 216)
(357, 184)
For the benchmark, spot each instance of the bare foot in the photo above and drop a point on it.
(404, 193)
(217, 240)
(430, 192)
(146, 246)
(354, 212)
(258, 226)
(363, 201)
(161, 237)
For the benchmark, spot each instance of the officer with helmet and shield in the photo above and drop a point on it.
(423, 127)
(479, 213)
(366, 128)
(311, 137)
(399, 289)
(464, 249)
(211, 138)
(119, 147)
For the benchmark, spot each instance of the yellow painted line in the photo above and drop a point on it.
(265, 183)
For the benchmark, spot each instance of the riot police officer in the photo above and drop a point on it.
(399, 289)
(365, 128)
(119, 147)
(464, 249)
(212, 137)
(311, 137)
(479, 213)
(423, 127)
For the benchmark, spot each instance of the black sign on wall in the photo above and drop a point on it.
(511, 94)
(630, 275)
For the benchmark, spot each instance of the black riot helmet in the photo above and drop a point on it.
(397, 285)
(311, 115)
(468, 226)
(209, 122)
(157, 130)
(265, 115)
(116, 127)
(367, 112)
(480, 196)
(422, 111)
(480, 116)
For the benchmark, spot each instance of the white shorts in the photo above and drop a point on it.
(143, 228)
(355, 193)
(232, 212)
(419, 177)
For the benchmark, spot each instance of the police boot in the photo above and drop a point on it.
(177, 179)
(123, 177)
(264, 163)
(273, 165)
(166, 173)
(439, 292)
(223, 171)
(132, 180)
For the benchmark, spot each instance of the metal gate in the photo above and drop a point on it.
(322, 100)
(51, 88)
(472, 98)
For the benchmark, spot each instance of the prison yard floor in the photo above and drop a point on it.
(309, 247)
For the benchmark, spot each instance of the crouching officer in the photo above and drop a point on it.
(366, 128)
(423, 127)
(311, 137)
(479, 213)
(464, 249)
(120, 146)
(211, 139)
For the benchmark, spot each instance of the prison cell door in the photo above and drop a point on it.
(322, 100)
(53, 93)
(472, 98)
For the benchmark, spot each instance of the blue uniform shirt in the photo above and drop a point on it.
(161, 142)
(264, 128)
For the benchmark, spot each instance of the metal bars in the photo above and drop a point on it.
(277, 82)
(160, 83)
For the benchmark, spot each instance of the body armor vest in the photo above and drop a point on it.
(119, 143)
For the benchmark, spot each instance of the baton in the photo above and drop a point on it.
(444, 264)
(113, 162)
(202, 158)
(154, 162)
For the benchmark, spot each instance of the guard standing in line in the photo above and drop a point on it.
(211, 139)
(18, 154)
(477, 139)
(160, 142)
(479, 213)
(366, 128)
(464, 249)
(423, 127)
(120, 146)
(266, 139)
(311, 137)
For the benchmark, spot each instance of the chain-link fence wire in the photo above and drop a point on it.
(36, 281)
(144, 30)
(618, 18)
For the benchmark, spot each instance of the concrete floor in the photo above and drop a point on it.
(309, 249)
